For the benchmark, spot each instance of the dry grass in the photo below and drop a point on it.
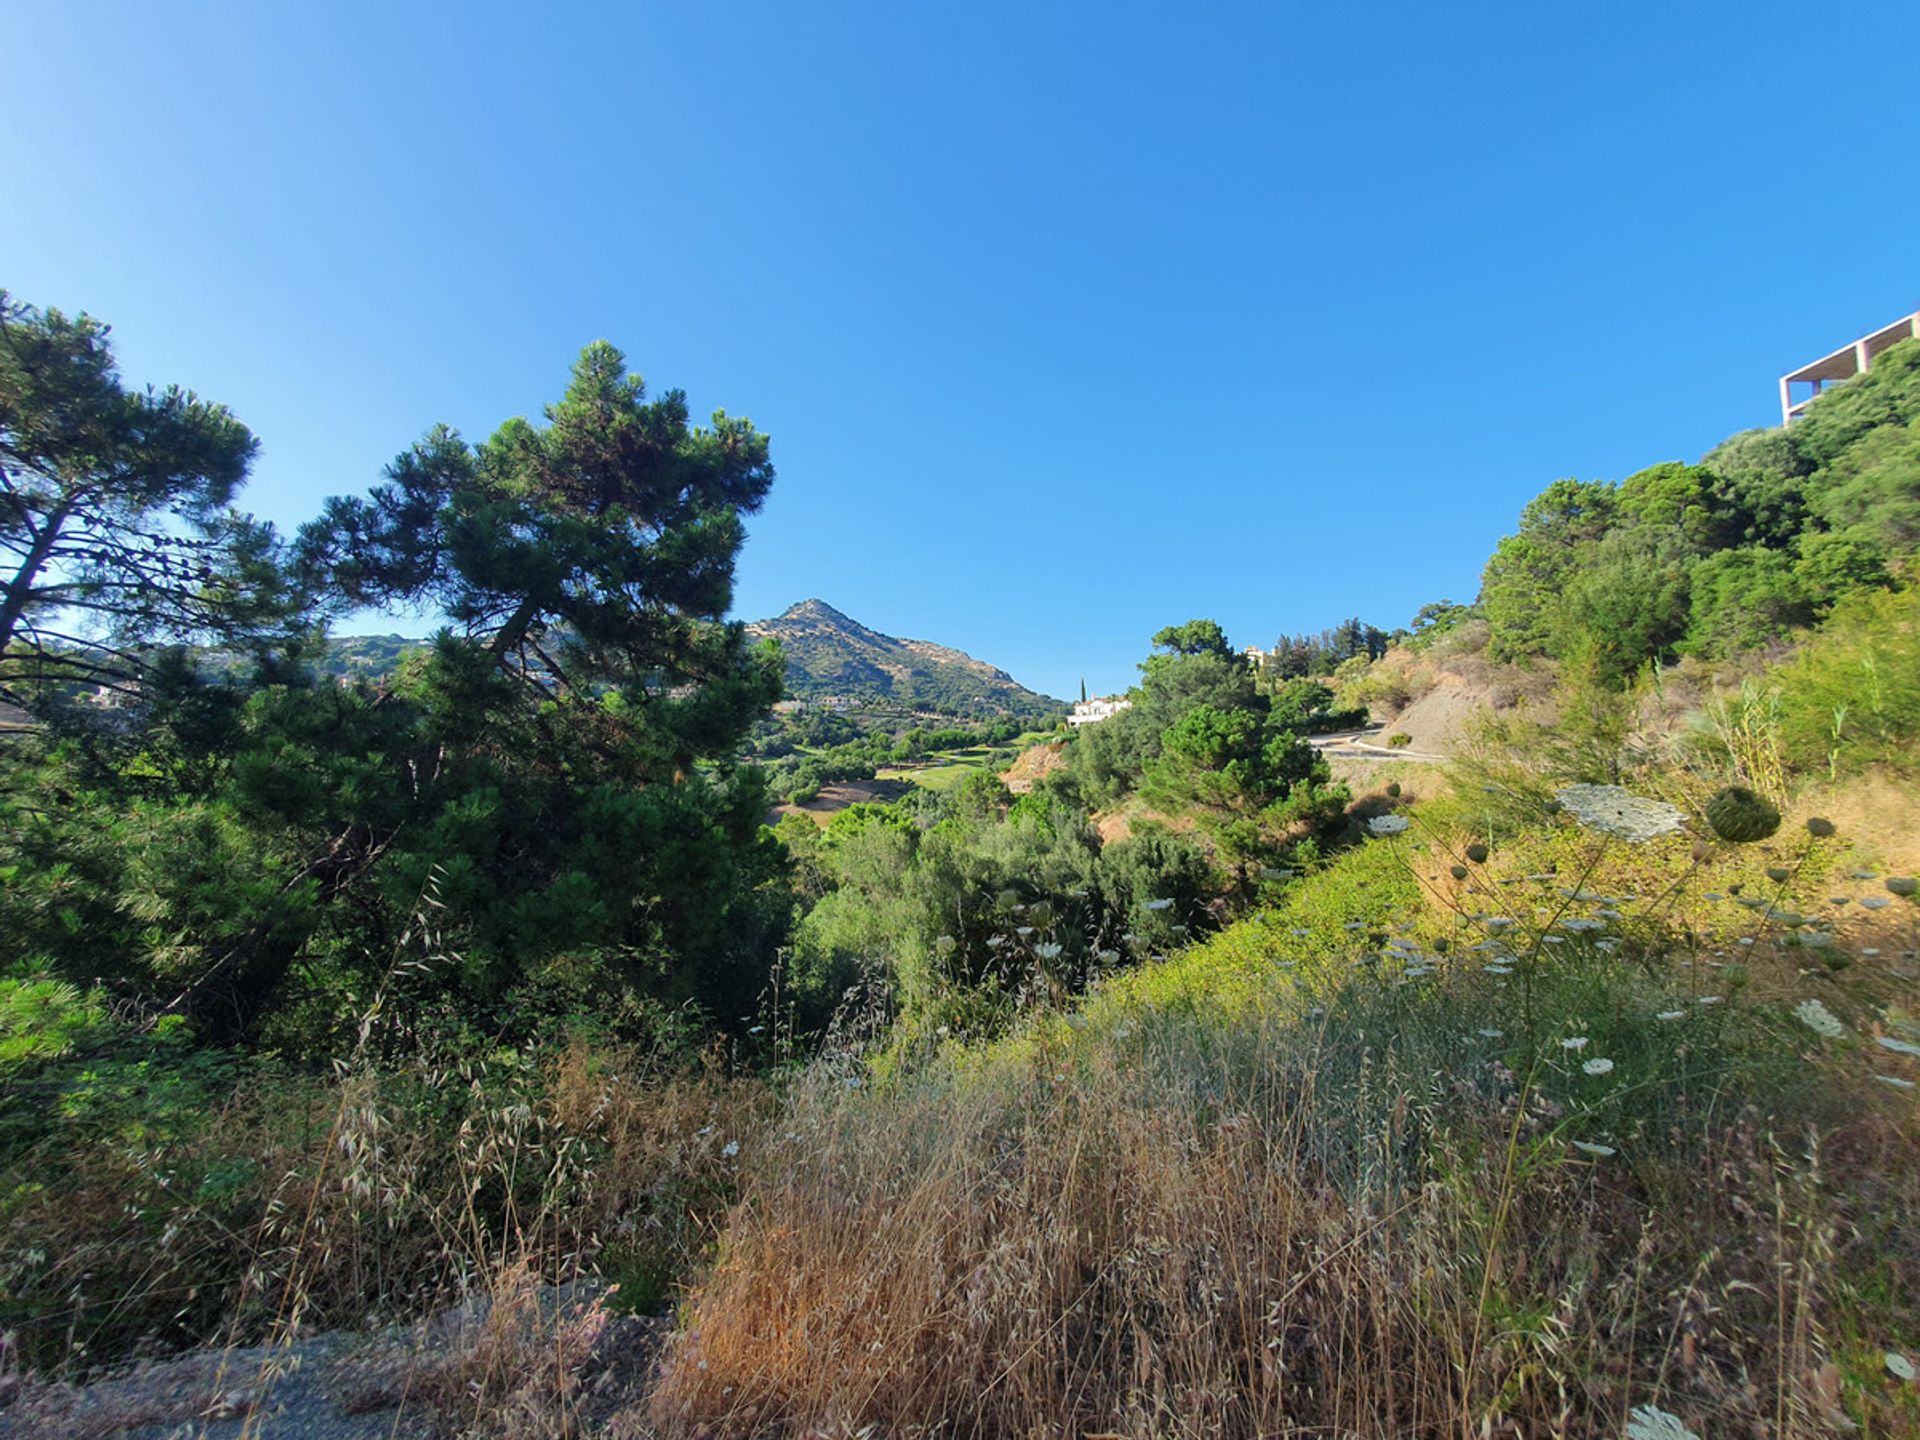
(1272, 1228)
(480, 1191)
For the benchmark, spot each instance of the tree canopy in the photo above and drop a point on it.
(556, 779)
(117, 527)
(1766, 534)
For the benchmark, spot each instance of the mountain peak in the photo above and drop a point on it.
(814, 608)
(830, 653)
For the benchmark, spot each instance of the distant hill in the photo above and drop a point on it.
(366, 656)
(829, 653)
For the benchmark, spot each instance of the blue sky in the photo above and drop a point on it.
(1067, 322)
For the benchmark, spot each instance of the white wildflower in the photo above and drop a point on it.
(1050, 950)
(1898, 1365)
(1387, 824)
(1671, 1015)
(1875, 902)
(1498, 969)
(1159, 904)
(1895, 1081)
(1817, 1018)
(730, 1149)
(1574, 1042)
(1618, 812)
(1711, 999)
(1601, 1150)
(1598, 1066)
(1493, 1034)
(1898, 1047)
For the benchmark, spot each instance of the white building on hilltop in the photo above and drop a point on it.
(1800, 388)
(1092, 712)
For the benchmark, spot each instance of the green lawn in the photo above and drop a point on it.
(943, 769)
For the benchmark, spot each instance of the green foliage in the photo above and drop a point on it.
(1743, 598)
(1306, 707)
(1437, 618)
(1628, 603)
(1762, 538)
(1294, 656)
(553, 779)
(1527, 572)
(1245, 777)
(1850, 699)
(117, 519)
(1108, 759)
(1196, 637)
(979, 902)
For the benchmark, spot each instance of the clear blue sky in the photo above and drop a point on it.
(1067, 322)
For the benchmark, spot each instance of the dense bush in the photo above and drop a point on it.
(1849, 701)
(1763, 537)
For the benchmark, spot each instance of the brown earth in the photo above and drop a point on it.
(832, 799)
(1034, 765)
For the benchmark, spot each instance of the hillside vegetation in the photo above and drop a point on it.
(1564, 1090)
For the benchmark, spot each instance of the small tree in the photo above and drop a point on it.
(1244, 777)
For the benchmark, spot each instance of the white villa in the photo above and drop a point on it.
(1092, 712)
(1800, 388)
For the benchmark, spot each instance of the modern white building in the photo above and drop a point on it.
(1092, 712)
(1800, 388)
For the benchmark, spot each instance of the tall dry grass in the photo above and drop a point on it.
(1286, 1226)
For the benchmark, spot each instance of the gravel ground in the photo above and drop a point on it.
(335, 1386)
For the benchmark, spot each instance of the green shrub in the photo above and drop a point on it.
(1850, 700)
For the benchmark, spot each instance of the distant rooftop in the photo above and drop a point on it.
(1800, 388)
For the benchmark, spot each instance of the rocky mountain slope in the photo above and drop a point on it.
(829, 653)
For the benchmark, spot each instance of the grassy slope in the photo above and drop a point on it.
(943, 769)
(1274, 1185)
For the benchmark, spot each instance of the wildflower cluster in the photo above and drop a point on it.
(1612, 810)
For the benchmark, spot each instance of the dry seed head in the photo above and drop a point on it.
(1741, 817)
